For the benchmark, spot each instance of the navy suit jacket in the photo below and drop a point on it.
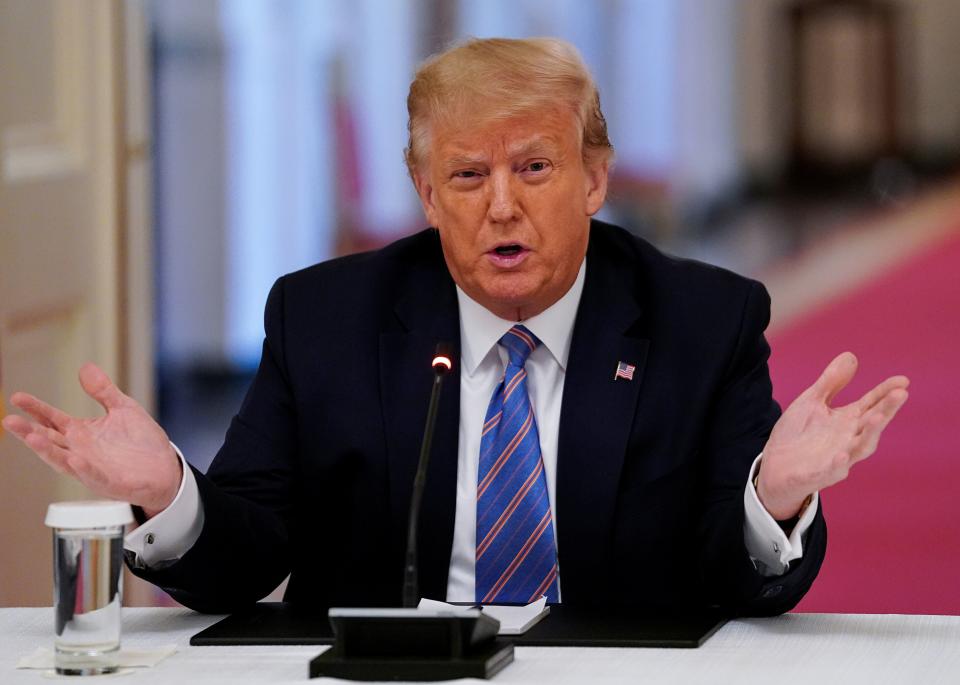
(316, 472)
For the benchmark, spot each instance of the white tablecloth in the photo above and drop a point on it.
(812, 649)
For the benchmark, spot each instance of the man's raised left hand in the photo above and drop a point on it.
(814, 444)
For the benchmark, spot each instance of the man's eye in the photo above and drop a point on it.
(468, 173)
(537, 166)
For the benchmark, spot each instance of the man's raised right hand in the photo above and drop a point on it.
(124, 455)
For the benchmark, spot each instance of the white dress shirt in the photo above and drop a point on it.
(170, 534)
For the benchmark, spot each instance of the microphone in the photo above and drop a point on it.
(410, 643)
(442, 365)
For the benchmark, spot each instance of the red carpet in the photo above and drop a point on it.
(894, 524)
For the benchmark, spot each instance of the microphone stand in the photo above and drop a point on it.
(442, 365)
(410, 643)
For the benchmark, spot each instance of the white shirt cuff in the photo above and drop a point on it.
(768, 546)
(171, 533)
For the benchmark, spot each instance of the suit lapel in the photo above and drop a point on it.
(596, 418)
(426, 316)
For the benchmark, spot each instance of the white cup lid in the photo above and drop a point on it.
(88, 514)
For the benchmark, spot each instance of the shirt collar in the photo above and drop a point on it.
(480, 329)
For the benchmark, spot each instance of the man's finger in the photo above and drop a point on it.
(887, 407)
(98, 385)
(875, 421)
(21, 428)
(54, 436)
(56, 457)
(44, 413)
(17, 426)
(835, 377)
(867, 402)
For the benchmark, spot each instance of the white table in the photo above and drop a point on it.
(807, 649)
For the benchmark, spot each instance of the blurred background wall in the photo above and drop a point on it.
(280, 125)
(813, 144)
(76, 269)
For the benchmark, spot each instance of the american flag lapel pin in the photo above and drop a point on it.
(624, 371)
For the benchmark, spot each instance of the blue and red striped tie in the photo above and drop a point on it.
(516, 549)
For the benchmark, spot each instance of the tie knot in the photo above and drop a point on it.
(519, 342)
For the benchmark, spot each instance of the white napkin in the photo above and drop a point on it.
(128, 658)
(514, 620)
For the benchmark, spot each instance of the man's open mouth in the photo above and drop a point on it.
(508, 250)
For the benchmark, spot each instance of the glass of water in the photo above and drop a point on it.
(87, 584)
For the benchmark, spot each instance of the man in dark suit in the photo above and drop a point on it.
(605, 443)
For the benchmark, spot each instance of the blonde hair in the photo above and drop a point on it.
(499, 78)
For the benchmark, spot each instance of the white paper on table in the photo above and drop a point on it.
(128, 658)
(514, 620)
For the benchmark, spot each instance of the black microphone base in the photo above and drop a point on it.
(410, 644)
(484, 662)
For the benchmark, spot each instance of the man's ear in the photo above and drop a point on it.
(425, 192)
(596, 182)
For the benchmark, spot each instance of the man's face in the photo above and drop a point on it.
(512, 200)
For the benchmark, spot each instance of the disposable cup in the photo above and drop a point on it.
(87, 584)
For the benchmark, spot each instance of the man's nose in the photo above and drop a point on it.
(504, 205)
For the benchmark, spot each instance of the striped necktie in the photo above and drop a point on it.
(516, 550)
